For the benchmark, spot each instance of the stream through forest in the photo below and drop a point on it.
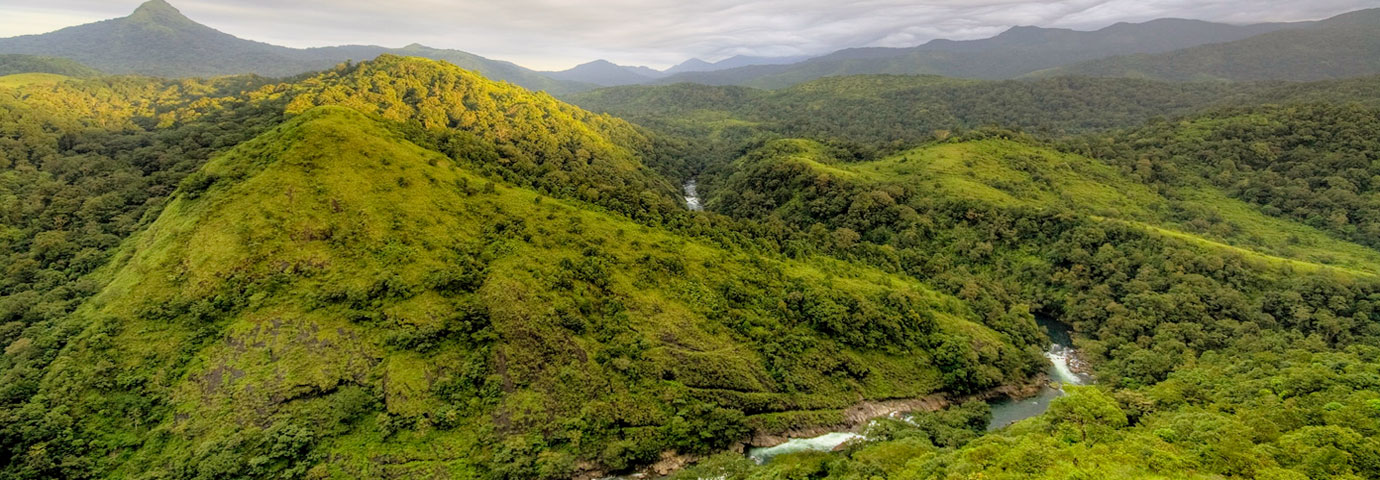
(692, 196)
(1004, 412)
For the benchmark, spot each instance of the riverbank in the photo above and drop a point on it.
(856, 418)
(859, 414)
(1010, 403)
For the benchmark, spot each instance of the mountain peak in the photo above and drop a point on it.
(1024, 31)
(691, 65)
(605, 73)
(161, 12)
(601, 65)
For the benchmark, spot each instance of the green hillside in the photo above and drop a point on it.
(881, 114)
(1214, 359)
(878, 114)
(1312, 163)
(330, 298)
(1198, 425)
(489, 68)
(331, 268)
(16, 64)
(999, 223)
(878, 109)
(26, 79)
(1012, 174)
(407, 268)
(528, 138)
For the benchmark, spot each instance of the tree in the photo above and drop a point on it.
(1085, 414)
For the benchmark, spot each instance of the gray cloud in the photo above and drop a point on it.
(552, 34)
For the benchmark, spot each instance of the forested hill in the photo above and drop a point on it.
(402, 268)
(158, 40)
(1339, 47)
(877, 114)
(399, 268)
(1212, 243)
(1214, 360)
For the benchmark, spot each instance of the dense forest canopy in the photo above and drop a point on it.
(401, 268)
(482, 340)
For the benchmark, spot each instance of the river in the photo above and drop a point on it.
(1004, 412)
(692, 196)
(1060, 354)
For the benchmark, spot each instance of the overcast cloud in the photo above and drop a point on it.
(557, 34)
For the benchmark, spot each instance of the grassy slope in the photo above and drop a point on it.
(549, 142)
(1011, 173)
(24, 79)
(333, 204)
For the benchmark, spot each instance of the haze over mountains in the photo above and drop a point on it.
(609, 74)
(697, 65)
(158, 40)
(1013, 53)
(1343, 46)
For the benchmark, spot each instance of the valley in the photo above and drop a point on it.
(1146, 250)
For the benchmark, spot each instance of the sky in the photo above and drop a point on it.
(558, 34)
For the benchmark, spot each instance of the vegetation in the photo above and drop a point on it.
(873, 116)
(1313, 163)
(1271, 411)
(530, 139)
(398, 268)
(994, 248)
(1188, 335)
(15, 64)
(81, 172)
(332, 289)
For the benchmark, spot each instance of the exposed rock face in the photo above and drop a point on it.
(670, 463)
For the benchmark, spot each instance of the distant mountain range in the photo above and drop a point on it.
(608, 74)
(697, 65)
(1015, 52)
(158, 40)
(1347, 45)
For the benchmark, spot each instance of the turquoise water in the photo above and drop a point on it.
(1009, 411)
(1004, 412)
